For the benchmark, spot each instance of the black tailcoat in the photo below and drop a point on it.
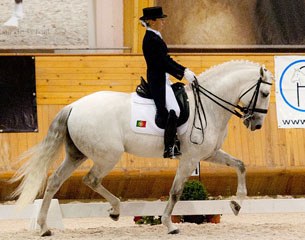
(158, 63)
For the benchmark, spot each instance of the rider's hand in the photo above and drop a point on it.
(189, 75)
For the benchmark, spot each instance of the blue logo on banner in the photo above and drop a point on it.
(298, 85)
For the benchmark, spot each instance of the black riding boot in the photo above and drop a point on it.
(171, 142)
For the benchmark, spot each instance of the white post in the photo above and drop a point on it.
(92, 23)
(196, 171)
(54, 219)
(18, 14)
(109, 24)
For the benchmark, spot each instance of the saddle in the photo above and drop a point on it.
(143, 91)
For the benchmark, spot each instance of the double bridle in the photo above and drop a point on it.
(243, 113)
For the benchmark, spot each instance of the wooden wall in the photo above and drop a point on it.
(133, 31)
(273, 156)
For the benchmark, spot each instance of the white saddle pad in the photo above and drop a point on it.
(143, 113)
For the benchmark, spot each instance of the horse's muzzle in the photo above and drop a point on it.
(252, 124)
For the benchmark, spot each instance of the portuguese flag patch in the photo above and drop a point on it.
(141, 124)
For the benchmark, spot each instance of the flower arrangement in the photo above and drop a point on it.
(193, 190)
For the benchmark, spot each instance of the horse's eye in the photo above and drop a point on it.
(265, 94)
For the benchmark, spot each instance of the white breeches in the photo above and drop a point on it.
(170, 99)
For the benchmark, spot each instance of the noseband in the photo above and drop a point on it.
(249, 111)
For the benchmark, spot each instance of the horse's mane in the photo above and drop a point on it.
(224, 67)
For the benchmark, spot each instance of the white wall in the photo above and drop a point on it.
(108, 23)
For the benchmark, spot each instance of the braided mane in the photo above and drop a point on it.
(224, 67)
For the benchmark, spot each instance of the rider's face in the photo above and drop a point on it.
(157, 24)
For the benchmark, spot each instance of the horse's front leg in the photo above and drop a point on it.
(221, 157)
(184, 171)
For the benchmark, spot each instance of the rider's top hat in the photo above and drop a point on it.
(152, 13)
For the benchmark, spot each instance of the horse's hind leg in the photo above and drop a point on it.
(93, 180)
(73, 159)
(224, 158)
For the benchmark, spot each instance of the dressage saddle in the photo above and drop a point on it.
(143, 91)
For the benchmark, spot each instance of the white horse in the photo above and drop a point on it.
(18, 14)
(98, 127)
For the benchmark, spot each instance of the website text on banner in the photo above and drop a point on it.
(290, 91)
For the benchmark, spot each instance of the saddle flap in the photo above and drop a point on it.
(143, 91)
(142, 119)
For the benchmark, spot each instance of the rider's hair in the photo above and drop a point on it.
(145, 23)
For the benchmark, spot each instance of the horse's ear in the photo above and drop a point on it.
(262, 71)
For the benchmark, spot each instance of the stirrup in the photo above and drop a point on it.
(171, 152)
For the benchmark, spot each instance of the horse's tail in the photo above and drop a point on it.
(34, 172)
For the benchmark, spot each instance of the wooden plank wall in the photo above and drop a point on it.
(62, 79)
(133, 31)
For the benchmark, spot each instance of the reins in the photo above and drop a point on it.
(197, 99)
(247, 111)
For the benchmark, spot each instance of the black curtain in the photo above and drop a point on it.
(18, 109)
(280, 22)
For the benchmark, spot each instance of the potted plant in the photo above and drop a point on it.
(195, 190)
(151, 220)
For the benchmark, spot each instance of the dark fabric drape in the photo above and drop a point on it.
(280, 22)
(18, 110)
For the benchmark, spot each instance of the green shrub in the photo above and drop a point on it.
(194, 190)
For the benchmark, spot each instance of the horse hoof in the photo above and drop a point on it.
(114, 217)
(235, 207)
(176, 231)
(46, 233)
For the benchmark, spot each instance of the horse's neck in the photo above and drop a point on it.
(228, 85)
(227, 79)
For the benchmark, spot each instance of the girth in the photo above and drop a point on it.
(143, 91)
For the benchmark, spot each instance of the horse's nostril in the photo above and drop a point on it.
(258, 126)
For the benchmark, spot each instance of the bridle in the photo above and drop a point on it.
(239, 111)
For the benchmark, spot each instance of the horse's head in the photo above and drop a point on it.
(298, 76)
(256, 100)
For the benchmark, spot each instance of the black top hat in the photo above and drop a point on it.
(152, 13)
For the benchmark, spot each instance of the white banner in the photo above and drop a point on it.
(290, 91)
